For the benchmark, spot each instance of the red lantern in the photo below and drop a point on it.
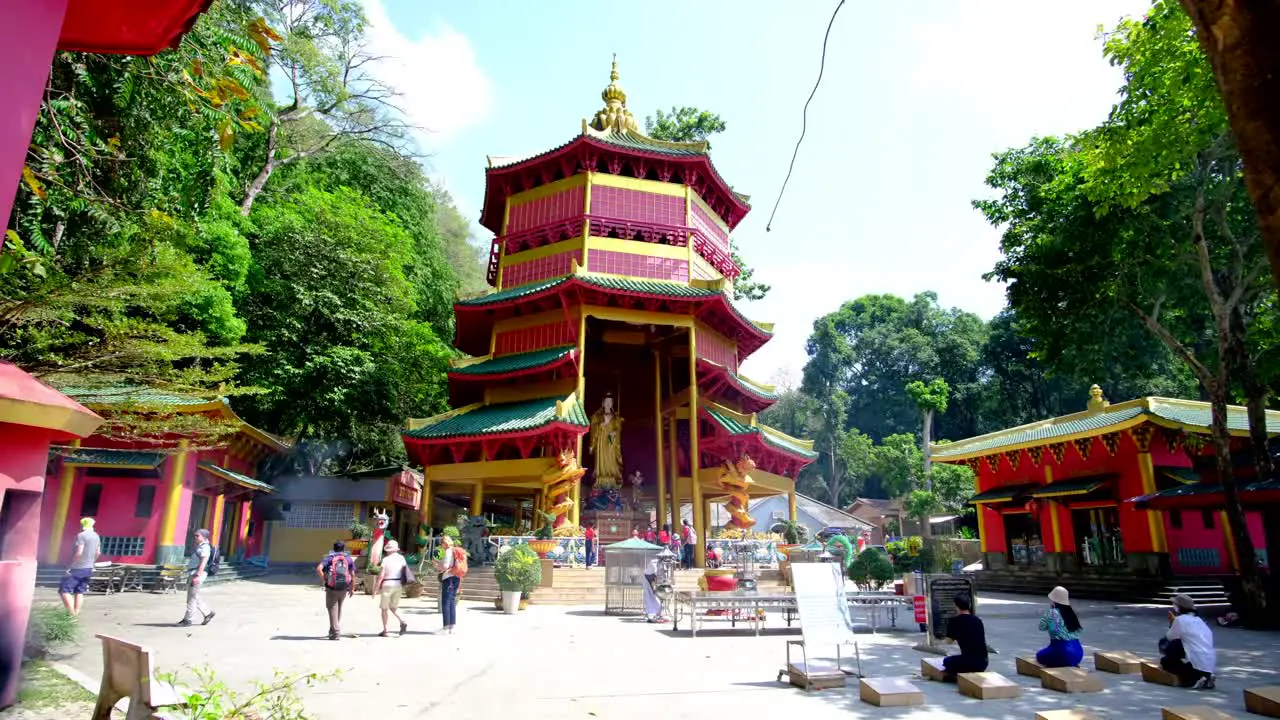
(1033, 507)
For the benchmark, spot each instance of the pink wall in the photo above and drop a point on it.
(717, 350)
(538, 337)
(115, 516)
(718, 237)
(636, 265)
(542, 268)
(624, 204)
(1194, 535)
(560, 206)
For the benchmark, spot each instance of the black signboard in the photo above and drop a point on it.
(941, 591)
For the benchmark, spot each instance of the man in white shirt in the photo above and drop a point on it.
(1188, 652)
(390, 585)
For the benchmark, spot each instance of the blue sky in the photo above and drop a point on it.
(915, 99)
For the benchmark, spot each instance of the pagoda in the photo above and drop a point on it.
(608, 351)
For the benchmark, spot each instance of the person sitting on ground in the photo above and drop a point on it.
(966, 631)
(1186, 650)
(1063, 626)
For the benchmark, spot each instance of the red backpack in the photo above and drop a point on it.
(459, 563)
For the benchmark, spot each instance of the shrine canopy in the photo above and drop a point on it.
(24, 400)
(127, 27)
(730, 435)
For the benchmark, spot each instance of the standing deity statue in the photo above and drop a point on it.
(606, 445)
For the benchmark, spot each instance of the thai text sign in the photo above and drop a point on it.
(922, 610)
(941, 591)
(405, 490)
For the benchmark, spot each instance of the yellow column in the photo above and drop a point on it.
(580, 393)
(575, 515)
(173, 497)
(657, 424)
(424, 509)
(1053, 512)
(246, 517)
(699, 516)
(537, 514)
(674, 473)
(1155, 520)
(66, 479)
(982, 528)
(1232, 556)
(477, 498)
(791, 502)
(215, 526)
(586, 221)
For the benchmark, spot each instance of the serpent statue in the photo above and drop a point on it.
(558, 486)
(734, 479)
(840, 545)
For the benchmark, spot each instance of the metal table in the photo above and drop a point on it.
(735, 602)
(875, 602)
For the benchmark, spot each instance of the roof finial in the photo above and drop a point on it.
(1096, 400)
(614, 115)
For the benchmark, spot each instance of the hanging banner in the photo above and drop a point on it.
(404, 490)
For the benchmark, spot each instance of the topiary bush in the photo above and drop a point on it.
(518, 569)
(871, 570)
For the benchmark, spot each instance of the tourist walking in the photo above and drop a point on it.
(664, 535)
(200, 565)
(690, 537)
(76, 580)
(652, 604)
(337, 571)
(392, 577)
(453, 567)
(965, 630)
(590, 535)
(1063, 626)
(1186, 650)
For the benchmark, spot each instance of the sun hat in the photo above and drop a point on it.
(1184, 603)
(1059, 596)
(392, 547)
(86, 523)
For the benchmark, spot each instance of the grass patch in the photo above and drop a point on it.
(43, 687)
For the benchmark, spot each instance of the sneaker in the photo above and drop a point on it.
(208, 619)
(1204, 683)
(183, 623)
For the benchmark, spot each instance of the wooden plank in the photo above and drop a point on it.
(987, 686)
(1192, 712)
(1070, 680)
(1153, 673)
(1029, 667)
(889, 692)
(1072, 714)
(1122, 662)
(932, 669)
(1263, 700)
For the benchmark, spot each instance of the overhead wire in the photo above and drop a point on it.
(804, 116)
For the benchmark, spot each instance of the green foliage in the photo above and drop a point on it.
(209, 698)
(792, 532)
(920, 504)
(548, 528)
(49, 628)
(931, 396)
(359, 531)
(871, 570)
(518, 568)
(911, 554)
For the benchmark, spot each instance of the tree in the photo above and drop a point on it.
(689, 124)
(1145, 220)
(322, 56)
(1239, 40)
(931, 399)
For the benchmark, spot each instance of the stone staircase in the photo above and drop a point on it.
(1116, 584)
(578, 586)
(1208, 594)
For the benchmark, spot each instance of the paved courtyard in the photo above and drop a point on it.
(565, 662)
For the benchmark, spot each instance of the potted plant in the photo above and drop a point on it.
(360, 534)
(518, 570)
(544, 537)
(793, 534)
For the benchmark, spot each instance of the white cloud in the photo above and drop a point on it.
(442, 87)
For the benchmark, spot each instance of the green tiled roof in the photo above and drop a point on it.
(1185, 476)
(636, 141)
(118, 458)
(515, 362)
(734, 427)
(646, 287)
(242, 480)
(513, 293)
(1077, 486)
(1164, 411)
(129, 395)
(1001, 494)
(500, 419)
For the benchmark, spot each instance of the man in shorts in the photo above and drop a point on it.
(76, 581)
(390, 585)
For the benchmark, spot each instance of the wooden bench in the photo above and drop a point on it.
(104, 578)
(171, 579)
(932, 669)
(1072, 714)
(1153, 673)
(888, 692)
(1193, 712)
(1121, 663)
(128, 672)
(1028, 666)
(987, 686)
(1070, 680)
(1263, 700)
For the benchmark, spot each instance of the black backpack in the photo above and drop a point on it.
(215, 562)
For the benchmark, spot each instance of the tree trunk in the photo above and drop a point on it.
(1253, 594)
(924, 448)
(268, 167)
(1240, 39)
(833, 480)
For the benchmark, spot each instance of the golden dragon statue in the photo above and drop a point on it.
(558, 484)
(735, 478)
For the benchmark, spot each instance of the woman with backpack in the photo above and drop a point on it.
(452, 567)
(336, 571)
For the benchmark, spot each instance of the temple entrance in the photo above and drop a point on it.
(1097, 531)
(1022, 533)
(195, 521)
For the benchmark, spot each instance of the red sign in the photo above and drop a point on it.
(405, 490)
(917, 602)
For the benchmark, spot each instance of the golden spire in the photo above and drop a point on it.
(614, 115)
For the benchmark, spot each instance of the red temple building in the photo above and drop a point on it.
(1106, 498)
(148, 493)
(610, 328)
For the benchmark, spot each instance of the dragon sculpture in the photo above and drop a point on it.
(380, 521)
(734, 479)
(558, 486)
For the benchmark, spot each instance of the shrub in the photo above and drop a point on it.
(360, 531)
(50, 627)
(871, 570)
(208, 698)
(518, 569)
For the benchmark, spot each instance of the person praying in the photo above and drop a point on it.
(1186, 650)
(966, 631)
(1063, 626)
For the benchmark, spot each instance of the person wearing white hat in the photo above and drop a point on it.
(392, 577)
(1187, 648)
(1063, 626)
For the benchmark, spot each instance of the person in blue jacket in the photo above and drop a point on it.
(1060, 621)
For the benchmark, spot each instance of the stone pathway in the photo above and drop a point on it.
(558, 662)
